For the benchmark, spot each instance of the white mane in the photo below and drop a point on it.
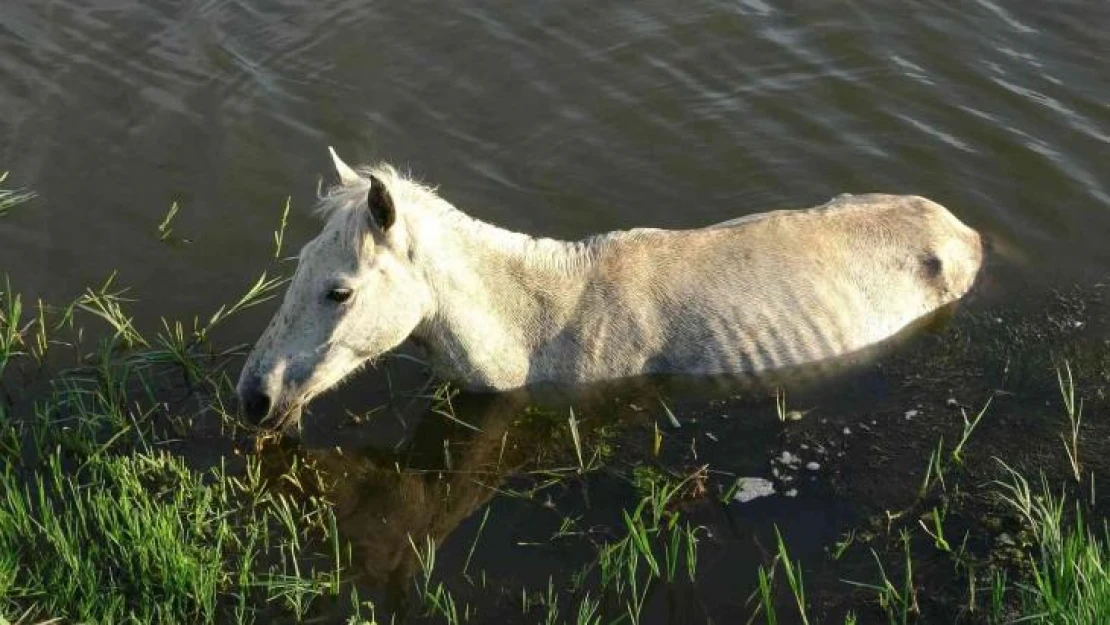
(343, 204)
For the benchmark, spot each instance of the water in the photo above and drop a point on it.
(559, 119)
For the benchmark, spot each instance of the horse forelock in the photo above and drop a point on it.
(342, 206)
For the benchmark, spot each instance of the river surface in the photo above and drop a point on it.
(554, 118)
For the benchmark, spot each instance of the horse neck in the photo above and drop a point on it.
(495, 290)
(468, 253)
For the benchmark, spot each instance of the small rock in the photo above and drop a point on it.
(789, 459)
(749, 488)
(793, 492)
(952, 402)
(804, 446)
(910, 414)
(813, 466)
(847, 431)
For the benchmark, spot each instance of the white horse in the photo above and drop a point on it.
(496, 309)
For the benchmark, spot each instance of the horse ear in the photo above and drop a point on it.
(380, 202)
(346, 174)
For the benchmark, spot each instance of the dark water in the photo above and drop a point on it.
(554, 118)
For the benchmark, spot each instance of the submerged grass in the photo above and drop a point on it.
(767, 605)
(1074, 413)
(657, 549)
(10, 198)
(1062, 572)
(1068, 580)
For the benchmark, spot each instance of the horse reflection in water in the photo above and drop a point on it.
(386, 501)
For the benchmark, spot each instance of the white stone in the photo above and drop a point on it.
(750, 488)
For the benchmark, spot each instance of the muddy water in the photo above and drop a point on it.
(556, 118)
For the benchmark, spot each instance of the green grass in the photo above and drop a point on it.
(100, 521)
(10, 198)
(1066, 577)
(99, 545)
(767, 606)
(437, 599)
(1074, 412)
(143, 538)
(658, 548)
(1070, 579)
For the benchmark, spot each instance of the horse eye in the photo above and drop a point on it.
(339, 295)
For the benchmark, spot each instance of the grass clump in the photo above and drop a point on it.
(99, 522)
(144, 538)
(657, 548)
(102, 522)
(137, 538)
(1070, 564)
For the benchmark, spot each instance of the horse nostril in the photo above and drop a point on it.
(257, 406)
(255, 403)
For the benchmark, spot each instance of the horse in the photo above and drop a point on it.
(496, 310)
